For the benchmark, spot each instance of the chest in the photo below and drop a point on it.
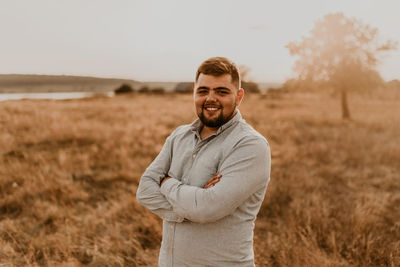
(195, 163)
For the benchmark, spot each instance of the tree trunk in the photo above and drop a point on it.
(345, 105)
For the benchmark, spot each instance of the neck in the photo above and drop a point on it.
(207, 131)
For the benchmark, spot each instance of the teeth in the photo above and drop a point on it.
(211, 108)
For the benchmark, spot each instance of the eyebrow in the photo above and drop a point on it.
(217, 88)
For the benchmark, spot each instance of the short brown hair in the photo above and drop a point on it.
(218, 66)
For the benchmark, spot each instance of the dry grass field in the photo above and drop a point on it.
(69, 172)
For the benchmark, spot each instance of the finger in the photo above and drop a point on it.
(209, 186)
(212, 179)
(215, 182)
(212, 183)
(217, 175)
(209, 183)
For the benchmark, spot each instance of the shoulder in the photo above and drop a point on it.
(179, 132)
(246, 134)
(244, 140)
(246, 146)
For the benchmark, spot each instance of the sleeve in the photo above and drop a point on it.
(148, 193)
(245, 170)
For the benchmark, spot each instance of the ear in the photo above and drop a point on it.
(240, 95)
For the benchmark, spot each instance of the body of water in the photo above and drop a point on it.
(54, 95)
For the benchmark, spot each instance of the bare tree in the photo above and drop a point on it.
(244, 72)
(341, 51)
(247, 84)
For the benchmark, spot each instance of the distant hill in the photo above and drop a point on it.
(168, 86)
(18, 83)
(29, 83)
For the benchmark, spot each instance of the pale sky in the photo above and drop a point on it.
(166, 40)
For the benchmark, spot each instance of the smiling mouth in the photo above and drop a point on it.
(211, 108)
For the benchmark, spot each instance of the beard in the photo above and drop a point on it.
(218, 121)
(212, 123)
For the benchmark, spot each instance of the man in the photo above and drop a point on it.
(209, 180)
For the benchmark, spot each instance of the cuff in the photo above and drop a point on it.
(173, 217)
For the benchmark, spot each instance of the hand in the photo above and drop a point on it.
(164, 179)
(213, 181)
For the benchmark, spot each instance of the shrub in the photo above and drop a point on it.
(184, 88)
(158, 90)
(124, 89)
(144, 90)
(250, 87)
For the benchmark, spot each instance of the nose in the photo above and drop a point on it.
(211, 96)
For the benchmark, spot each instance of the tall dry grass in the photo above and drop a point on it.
(69, 172)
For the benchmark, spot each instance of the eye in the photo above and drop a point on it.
(222, 92)
(202, 91)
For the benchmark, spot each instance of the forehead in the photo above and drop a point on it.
(212, 81)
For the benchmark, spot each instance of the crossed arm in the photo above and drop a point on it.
(244, 171)
(210, 183)
(148, 193)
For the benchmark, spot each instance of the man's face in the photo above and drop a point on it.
(216, 99)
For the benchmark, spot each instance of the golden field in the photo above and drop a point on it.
(69, 171)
